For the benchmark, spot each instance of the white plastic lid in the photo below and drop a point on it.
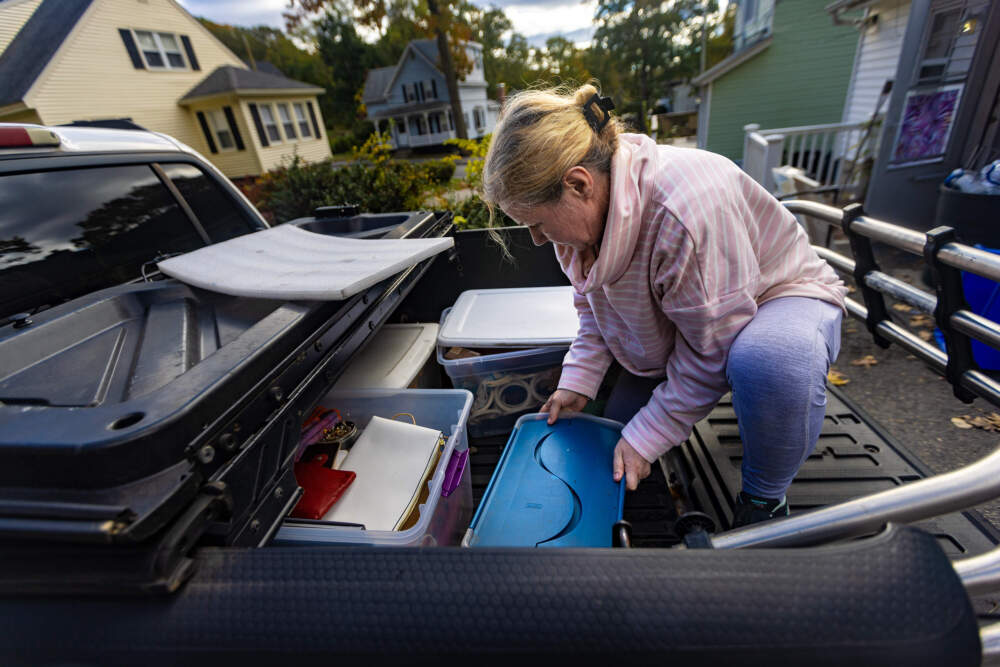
(515, 317)
(392, 359)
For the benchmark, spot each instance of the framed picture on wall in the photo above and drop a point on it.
(924, 129)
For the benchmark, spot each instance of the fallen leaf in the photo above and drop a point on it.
(921, 320)
(990, 422)
(836, 378)
(960, 423)
(902, 307)
(850, 289)
(925, 335)
(867, 361)
(910, 357)
(851, 330)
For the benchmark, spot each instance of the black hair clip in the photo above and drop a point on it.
(605, 104)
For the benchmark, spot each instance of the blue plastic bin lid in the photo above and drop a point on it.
(553, 486)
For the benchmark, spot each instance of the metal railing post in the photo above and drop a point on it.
(950, 299)
(864, 257)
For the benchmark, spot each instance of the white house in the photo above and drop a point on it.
(413, 94)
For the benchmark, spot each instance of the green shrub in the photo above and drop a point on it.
(341, 143)
(296, 190)
(440, 172)
(472, 213)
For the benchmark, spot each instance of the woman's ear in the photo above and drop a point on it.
(579, 180)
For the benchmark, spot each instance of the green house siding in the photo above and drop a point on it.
(800, 79)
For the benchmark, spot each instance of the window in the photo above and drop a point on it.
(477, 114)
(400, 124)
(218, 214)
(161, 50)
(300, 116)
(286, 121)
(220, 128)
(434, 89)
(271, 127)
(71, 232)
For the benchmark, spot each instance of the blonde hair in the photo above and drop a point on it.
(542, 134)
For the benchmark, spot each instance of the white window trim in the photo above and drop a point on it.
(215, 117)
(163, 52)
(274, 117)
(305, 129)
(291, 121)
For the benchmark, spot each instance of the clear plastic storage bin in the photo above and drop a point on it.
(506, 385)
(443, 519)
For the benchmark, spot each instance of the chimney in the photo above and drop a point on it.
(501, 93)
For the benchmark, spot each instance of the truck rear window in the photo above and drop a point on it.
(66, 233)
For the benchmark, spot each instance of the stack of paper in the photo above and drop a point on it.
(393, 461)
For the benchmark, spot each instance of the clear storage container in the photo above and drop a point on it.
(443, 518)
(506, 385)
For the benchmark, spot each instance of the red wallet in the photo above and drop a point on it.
(321, 487)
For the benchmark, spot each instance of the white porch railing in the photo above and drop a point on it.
(823, 151)
(430, 139)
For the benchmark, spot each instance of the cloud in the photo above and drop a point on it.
(239, 12)
(535, 19)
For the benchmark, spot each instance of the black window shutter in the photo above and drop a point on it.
(312, 117)
(133, 52)
(233, 127)
(405, 97)
(190, 52)
(208, 133)
(434, 88)
(259, 125)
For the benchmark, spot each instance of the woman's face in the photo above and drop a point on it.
(576, 219)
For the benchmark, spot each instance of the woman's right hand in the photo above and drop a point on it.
(563, 399)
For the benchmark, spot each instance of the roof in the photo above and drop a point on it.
(267, 68)
(731, 63)
(376, 82)
(230, 79)
(427, 47)
(38, 40)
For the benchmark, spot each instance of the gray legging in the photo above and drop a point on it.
(777, 371)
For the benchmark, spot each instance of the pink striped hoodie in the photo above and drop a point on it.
(691, 247)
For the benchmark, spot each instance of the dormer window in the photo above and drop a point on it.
(160, 50)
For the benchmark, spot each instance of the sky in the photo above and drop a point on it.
(535, 19)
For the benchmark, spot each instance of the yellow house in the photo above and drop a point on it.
(151, 62)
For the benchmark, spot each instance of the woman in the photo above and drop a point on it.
(688, 273)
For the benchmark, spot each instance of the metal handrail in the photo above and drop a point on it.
(980, 574)
(989, 637)
(926, 498)
(956, 255)
(949, 492)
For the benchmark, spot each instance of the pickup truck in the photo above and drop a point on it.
(147, 432)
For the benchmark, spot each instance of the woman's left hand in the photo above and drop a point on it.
(630, 464)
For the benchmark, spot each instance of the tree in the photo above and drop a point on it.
(434, 17)
(264, 43)
(651, 42)
(564, 62)
(338, 42)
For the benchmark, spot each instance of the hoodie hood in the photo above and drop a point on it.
(632, 166)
